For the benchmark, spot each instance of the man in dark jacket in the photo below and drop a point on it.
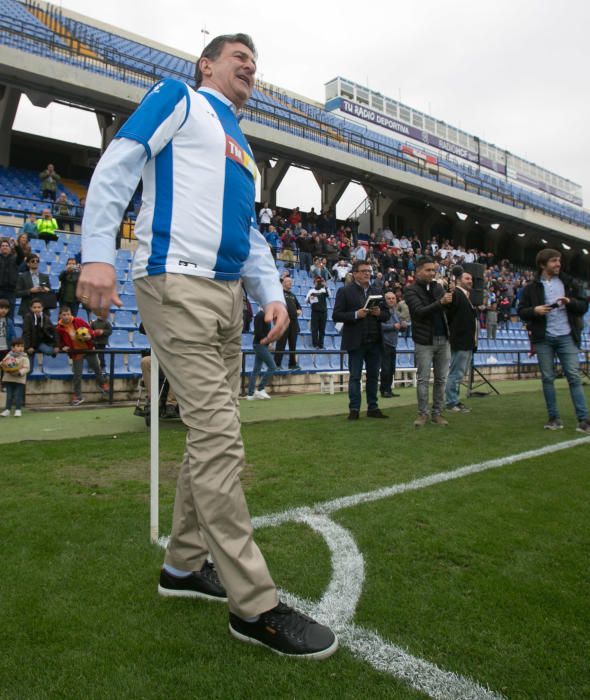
(290, 335)
(552, 308)
(427, 300)
(361, 336)
(31, 284)
(8, 274)
(463, 328)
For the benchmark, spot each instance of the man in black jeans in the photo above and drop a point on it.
(361, 337)
(318, 297)
(290, 335)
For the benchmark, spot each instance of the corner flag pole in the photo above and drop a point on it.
(154, 447)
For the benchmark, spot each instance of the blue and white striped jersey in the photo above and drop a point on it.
(197, 215)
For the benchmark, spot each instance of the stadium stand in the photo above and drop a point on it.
(49, 32)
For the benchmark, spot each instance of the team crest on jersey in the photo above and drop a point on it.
(234, 151)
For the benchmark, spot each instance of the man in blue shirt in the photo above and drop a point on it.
(197, 238)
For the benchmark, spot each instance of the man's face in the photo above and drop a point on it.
(46, 214)
(362, 276)
(232, 73)
(390, 300)
(426, 273)
(37, 308)
(552, 267)
(33, 264)
(66, 317)
(287, 284)
(4, 248)
(466, 281)
(4, 311)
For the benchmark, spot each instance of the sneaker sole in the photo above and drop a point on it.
(557, 427)
(173, 593)
(581, 430)
(314, 656)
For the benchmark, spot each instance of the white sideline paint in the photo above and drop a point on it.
(338, 603)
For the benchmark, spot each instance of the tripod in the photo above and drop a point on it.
(473, 389)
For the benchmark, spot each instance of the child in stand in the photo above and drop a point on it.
(101, 340)
(16, 367)
(75, 334)
(6, 330)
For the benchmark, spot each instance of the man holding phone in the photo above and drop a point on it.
(553, 307)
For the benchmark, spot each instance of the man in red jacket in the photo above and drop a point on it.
(75, 334)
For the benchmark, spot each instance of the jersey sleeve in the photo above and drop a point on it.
(161, 113)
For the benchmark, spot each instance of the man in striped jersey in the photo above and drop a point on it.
(197, 238)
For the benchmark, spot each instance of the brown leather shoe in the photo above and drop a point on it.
(353, 415)
(421, 421)
(439, 420)
(376, 413)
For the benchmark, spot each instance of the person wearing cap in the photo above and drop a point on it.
(317, 298)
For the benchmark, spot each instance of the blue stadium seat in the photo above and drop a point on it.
(57, 367)
(140, 341)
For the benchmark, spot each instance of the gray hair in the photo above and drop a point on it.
(214, 48)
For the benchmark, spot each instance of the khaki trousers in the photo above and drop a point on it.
(194, 325)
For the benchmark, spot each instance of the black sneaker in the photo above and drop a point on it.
(553, 424)
(199, 584)
(286, 632)
(376, 413)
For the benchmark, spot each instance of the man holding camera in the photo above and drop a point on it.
(553, 307)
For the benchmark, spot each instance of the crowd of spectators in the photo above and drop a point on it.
(316, 243)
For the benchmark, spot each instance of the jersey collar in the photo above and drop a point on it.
(220, 96)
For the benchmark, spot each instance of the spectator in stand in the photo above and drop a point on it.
(463, 332)
(46, 227)
(290, 335)
(491, 321)
(341, 270)
(103, 330)
(303, 243)
(427, 300)
(359, 253)
(6, 329)
(387, 236)
(49, 179)
(22, 250)
(8, 274)
(504, 307)
(79, 210)
(63, 210)
(318, 269)
(361, 337)
(15, 366)
(30, 226)
(390, 328)
(317, 297)
(265, 218)
(39, 333)
(262, 356)
(68, 280)
(553, 307)
(288, 246)
(329, 250)
(295, 219)
(274, 241)
(75, 334)
(311, 220)
(31, 283)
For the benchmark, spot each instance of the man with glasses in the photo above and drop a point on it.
(361, 337)
(31, 284)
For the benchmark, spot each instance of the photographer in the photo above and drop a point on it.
(317, 298)
(553, 308)
(68, 279)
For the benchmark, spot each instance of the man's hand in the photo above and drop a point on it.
(362, 312)
(97, 287)
(275, 313)
(446, 298)
(375, 311)
(542, 309)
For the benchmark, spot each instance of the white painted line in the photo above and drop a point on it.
(431, 480)
(338, 603)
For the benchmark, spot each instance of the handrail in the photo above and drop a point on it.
(113, 63)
